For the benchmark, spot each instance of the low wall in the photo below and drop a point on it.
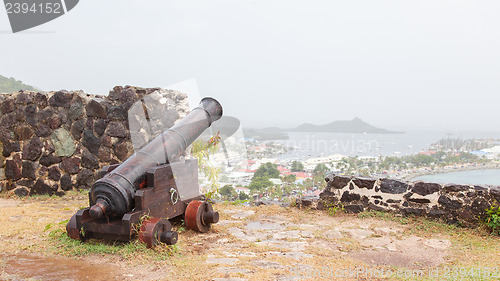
(459, 204)
(55, 141)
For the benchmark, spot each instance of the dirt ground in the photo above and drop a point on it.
(249, 243)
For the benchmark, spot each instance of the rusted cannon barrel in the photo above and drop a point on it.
(113, 194)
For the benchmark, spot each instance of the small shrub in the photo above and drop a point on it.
(239, 202)
(55, 232)
(493, 219)
(202, 150)
(334, 209)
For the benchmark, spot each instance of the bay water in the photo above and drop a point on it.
(310, 145)
(484, 177)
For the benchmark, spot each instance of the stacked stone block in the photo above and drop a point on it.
(459, 204)
(53, 142)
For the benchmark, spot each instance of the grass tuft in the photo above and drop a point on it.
(61, 244)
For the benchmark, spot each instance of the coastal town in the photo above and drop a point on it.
(260, 171)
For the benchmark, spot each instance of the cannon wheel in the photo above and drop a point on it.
(156, 230)
(200, 215)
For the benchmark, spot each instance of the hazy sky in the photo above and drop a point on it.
(395, 64)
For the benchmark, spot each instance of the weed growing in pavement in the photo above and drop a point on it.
(333, 209)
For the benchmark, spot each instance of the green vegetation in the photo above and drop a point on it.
(493, 219)
(440, 158)
(319, 174)
(277, 192)
(70, 247)
(333, 209)
(202, 150)
(243, 196)
(260, 179)
(228, 192)
(291, 178)
(260, 183)
(268, 170)
(369, 167)
(297, 167)
(10, 85)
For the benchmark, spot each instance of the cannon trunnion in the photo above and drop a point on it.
(141, 195)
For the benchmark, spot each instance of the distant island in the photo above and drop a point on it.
(355, 125)
(11, 85)
(266, 134)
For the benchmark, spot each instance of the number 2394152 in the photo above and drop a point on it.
(33, 8)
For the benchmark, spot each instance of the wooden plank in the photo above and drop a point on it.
(152, 201)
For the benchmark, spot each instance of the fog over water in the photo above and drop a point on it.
(399, 65)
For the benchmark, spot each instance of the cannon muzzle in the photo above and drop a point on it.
(113, 195)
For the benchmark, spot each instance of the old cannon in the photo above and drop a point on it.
(156, 184)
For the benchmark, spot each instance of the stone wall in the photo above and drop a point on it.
(453, 203)
(56, 141)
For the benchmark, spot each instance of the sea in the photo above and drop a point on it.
(311, 145)
(485, 177)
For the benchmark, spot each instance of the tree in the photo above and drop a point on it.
(260, 179)
(268, 170)
(320, 169)
(308, 183)
(260, 183)
(289, 178)
(275, 192)
(468, 157)
(10, 85)
(287, 189)
(243, 196)
(341, 166)
(319, 174)
(422, 160)
(228, 192)
(297, 166)
(364, 172)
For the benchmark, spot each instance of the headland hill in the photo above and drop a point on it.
(354, 126)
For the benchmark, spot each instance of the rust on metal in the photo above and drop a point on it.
(156, 230)
(144, 185)
(72, 229)
(200, 215)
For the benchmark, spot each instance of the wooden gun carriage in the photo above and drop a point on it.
(156, 184)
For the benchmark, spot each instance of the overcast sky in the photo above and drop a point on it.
(431, 65)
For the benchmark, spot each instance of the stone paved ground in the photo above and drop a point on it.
(287, 244)
(249, 243)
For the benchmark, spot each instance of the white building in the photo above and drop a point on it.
(493, 152)
(311, 163)
(239, 178)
